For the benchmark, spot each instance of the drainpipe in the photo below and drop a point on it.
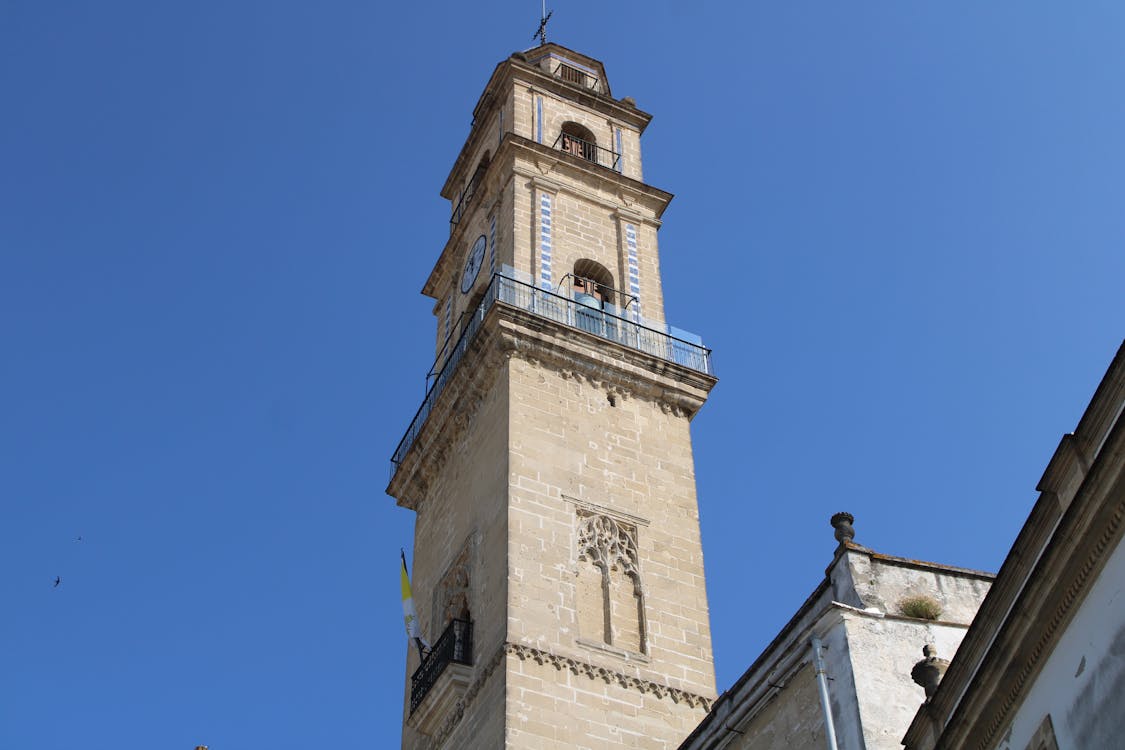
(822, 685)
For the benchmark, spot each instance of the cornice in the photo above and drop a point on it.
(533, 76)
(1047, 575)
(575, 666)
(490, 184)
(619, 369)
(581, 667)
(508, 332)
(621, 209)
(504, 77)
(458, 711)
(555, 172)
(1048, 629)
(449, 417)
(629, 191)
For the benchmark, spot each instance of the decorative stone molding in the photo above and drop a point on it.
(1078, 586)
(589, 508)
(646, 202)
(451, 595)
(672, 388)
(512, 333)
(458, 711)
(608, 544)
(609, 676)
(449, 422)
(673, 409)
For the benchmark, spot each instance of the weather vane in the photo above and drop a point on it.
(544, 17)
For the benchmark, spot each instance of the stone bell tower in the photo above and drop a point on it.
(558, 572)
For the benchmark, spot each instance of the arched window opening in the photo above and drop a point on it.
(578, 140)
(593, 284)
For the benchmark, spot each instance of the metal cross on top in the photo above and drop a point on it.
(542, 32)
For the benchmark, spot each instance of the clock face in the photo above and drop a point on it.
(472, 265)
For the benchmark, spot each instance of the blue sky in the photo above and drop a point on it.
(898, 225)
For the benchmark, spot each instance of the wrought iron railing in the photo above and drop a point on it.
(463, 204)
(587, 150)
(455, 646)
(635, 334)
(578, 77)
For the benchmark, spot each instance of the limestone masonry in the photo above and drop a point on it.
(558, 571)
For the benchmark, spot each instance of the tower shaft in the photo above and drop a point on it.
(558, 568)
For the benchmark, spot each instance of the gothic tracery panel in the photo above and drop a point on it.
(610, 598)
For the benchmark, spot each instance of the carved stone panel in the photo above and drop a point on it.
(610, 597)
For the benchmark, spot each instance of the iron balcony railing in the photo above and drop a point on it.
(631, 333)
(454, 647)
(588, 151)
(578, 77)
(463, 204)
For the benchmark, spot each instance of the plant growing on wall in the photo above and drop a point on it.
(920, 606)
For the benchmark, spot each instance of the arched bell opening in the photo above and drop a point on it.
(578, 140)
(593, 284)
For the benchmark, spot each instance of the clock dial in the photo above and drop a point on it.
(472, 265)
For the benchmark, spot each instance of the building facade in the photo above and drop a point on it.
(838, 675)
(1043, 666)
(558, 571)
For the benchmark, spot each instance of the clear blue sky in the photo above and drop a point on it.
(899, 225)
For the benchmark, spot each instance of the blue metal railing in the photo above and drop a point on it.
(607, 325)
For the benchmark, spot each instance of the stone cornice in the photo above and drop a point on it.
(588, 358)
(502, 81)
(1077, 522)
(458, 711)
(610, 676)
(508, 332)
(636, 191)
(1024, 644)
(519, 157)
(490, 190)
(452, 412)
(621, 209)
(575, 666)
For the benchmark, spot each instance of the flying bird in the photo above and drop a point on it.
(58, 580)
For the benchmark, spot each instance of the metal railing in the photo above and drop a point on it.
(607, 325)
(455, 646)
(578, 77)
(587, 150)
(463, 204)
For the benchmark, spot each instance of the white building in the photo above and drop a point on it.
(1043, 665)
(847, 656)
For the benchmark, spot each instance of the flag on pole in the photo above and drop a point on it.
(413, 631)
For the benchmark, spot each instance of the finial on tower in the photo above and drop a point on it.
(842, 522)
(544, 17)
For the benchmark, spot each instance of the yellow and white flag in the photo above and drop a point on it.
(413, 631)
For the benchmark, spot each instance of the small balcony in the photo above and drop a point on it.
(669, 344)
(578, 77)
(591, 152)
(463, 204)
(455, 646)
